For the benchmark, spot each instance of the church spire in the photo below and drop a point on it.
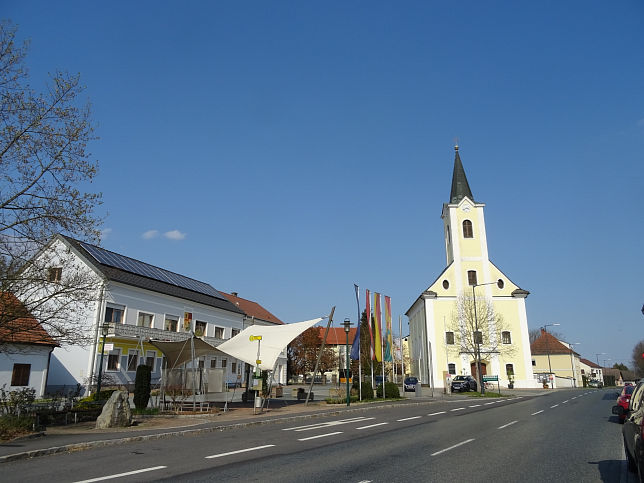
(460, 186)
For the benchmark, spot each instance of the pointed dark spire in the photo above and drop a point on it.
(460, 186)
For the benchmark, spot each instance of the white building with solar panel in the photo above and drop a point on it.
(137, 302)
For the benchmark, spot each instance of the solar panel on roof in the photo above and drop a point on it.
(105, 257)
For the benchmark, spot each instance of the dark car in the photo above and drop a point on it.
(623, 401)
(633, 430)
(463, 383)
(409, 384)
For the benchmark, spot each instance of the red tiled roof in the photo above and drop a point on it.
(337, 336)
(18, 326)
(252, 309)
(590, 363)
(549, 344)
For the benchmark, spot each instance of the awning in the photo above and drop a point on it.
(178, 353)
(274, 339)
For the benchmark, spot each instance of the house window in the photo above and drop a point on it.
(509, 369)
(200, 328)
(114, 313)
(224, 363)
(233, 367)
(449, 337)
(451, 368)
(505, 337)
(467, 229)
(478, 337)
(500, 283)
(113, 360)
(445, 284)
(171, 322)
(534, 363)
(144, 320)
(219, 333)
(213, 363)
(54, 274)
(132, 360)
(235, 332)
(471, 277)
(20, 375)
(201, 363)
(150, 358)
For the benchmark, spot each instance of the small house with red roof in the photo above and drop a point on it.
(336, 340)
(25, 348)
(554, 362)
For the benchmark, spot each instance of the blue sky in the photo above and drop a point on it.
(287, 150)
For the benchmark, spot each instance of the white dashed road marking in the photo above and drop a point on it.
(533, 414)
(320, 436)
(408, 419)
(506, 425)
(452, 447)
(240, 451)
(436, 414)
(372, 426)
(119, 475)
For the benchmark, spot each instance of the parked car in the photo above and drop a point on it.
(463, 383)
(623, 401)
(595, 383)
(633, 431)
(410, 384)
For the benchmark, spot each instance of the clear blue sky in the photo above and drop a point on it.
(296, 148)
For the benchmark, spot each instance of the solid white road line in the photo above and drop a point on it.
(408, 419)
(536, 413)
(372, 426)
(506, 425)
(436, 414)
(452, 447)
(320, 436)
(240, 451)
(119, 475)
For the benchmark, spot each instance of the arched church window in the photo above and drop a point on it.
(467, 229)
(471, 277)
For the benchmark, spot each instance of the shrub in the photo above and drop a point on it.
(12, 426)
(391, 390)
(142, 386)
(367, 390)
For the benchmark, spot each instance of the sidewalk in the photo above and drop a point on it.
(73, 437)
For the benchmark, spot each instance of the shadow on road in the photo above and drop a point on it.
(610, 470)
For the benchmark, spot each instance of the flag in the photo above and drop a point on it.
(355, 347)
(368, 312)
(377, 326)
(389, 349)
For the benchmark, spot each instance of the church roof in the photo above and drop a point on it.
(460, 186)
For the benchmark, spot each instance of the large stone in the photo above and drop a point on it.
(116, 412)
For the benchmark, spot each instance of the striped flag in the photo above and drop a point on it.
(377, 326)
(368, 312)
(389, 344)
(355, 347)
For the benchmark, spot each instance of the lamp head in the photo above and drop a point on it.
(347, 325)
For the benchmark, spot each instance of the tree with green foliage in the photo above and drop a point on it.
(142, 387)
(621, 367)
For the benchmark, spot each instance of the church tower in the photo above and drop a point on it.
(436, 332)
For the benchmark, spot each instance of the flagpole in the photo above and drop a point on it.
(402, 358)
(359, 343)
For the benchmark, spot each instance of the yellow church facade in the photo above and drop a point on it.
(472, 311)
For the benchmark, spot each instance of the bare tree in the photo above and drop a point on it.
(477, 330)
(44, 166)
(534, 334)
(303, 352)
(638, 358)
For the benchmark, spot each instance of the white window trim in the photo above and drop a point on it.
(138, 314)
(205, 331)
(110, 305)
(138, 359)
(509, 332)
(223, 332)
(178, 319)
(117, 353)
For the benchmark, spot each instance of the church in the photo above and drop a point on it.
(472, 319)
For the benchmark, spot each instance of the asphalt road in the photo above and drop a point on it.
(563, 436)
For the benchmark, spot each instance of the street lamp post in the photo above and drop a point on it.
(105, 328)
(548, 346)
(572, 364)
(347, 326)
(597, 356)
(477, 339)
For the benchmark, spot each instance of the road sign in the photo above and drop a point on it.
(490, 378)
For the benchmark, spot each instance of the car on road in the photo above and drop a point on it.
(623, 401)
(633, 432)
(409, 384)
(595, 383)
(463, 383)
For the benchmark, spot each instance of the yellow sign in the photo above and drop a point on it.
(255, 337)
(258, 362)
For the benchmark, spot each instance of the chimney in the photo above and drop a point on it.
(234, 294)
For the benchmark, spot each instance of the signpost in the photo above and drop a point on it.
(492, 379)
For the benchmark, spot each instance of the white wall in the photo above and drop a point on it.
(37, 356)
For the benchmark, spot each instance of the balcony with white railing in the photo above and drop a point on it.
(136, 332)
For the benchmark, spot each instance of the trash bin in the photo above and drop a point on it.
(418, 390)
(258, 401)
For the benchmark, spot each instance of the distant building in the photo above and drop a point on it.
(591, 370)
(336, 340)
(25, 348)
(554, 362)
(435, 323)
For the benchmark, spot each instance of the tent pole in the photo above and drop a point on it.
(194, 373)
(317, 362)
